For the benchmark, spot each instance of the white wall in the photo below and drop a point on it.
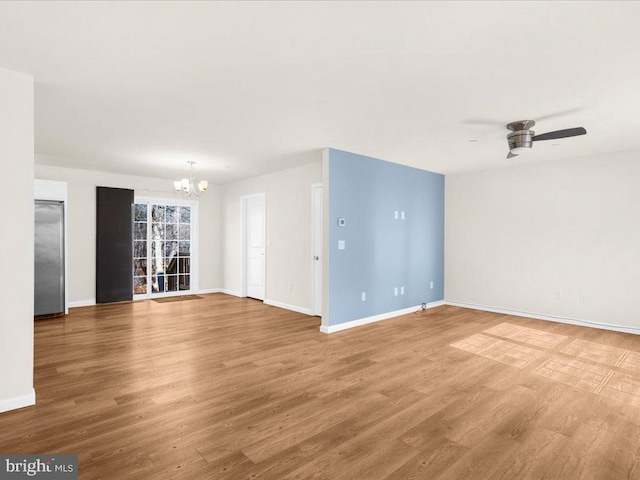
(516, 236)
(82, 225)
(16, 240)
(288, 217)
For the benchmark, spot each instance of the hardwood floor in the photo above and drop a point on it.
(228, 388)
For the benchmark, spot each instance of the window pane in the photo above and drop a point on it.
(185, 214)
(140, 231)
(172, 214)
(184, 249)
(139, 285)
(171, 283)
(185, 265)
(157, 231)
(172, 232)
(184, 282)
(140, 249)
(139, 268)
(171, 265)
(157, 248)
(157, 283)
(140, 212)
(157, 213)
(171, 249)
(185, 232)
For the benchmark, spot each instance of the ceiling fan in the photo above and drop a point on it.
(522, 137)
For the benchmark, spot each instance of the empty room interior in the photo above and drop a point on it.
(320, 240)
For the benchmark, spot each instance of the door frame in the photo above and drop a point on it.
(195, 232)
(316, 305)
(243, 242)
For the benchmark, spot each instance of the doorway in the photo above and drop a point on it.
(316, 254)
(164, 246)
(253, 249)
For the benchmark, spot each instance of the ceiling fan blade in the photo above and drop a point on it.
(484, 122)
(511, 155)
(569, 132)
(557, 114)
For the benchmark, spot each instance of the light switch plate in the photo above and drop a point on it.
(395, 214)
(402, 215)
(341, 244)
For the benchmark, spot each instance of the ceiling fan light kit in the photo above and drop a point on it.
(522, 137)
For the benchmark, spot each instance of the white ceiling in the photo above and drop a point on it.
(248, 88)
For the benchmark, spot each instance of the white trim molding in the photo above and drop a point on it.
(18, 402)
(550, 318)
(376, 318)
(230, 292)
(286, 306)
(209, 290)
(90, 302)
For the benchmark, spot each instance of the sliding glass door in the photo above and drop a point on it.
(163, 244)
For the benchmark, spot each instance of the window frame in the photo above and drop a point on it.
(193, 247)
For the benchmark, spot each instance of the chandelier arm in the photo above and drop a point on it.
(193, 188)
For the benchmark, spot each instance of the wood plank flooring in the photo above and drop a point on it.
(229, 388)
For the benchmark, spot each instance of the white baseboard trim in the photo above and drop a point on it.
(286, 306)
(18, 402)
(376, 318)
(230, 292)
(550, 318)
(83, 303)
(209, 290)
(92, 301)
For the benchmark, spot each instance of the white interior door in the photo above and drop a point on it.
(317, 249)
(255, 242)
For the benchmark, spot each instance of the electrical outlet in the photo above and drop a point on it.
(395, 291)
(431, 285)
(364, 296)
(401, 290)
(289, 286)
(557, 296)
(583, 298)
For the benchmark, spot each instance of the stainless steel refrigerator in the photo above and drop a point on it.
(49, 257)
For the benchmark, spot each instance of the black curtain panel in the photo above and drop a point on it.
(114, 245)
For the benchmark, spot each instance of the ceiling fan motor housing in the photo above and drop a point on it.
(521, 136)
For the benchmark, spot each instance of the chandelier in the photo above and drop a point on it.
(188, 186)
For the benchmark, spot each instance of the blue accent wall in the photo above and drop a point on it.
(381, 252)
